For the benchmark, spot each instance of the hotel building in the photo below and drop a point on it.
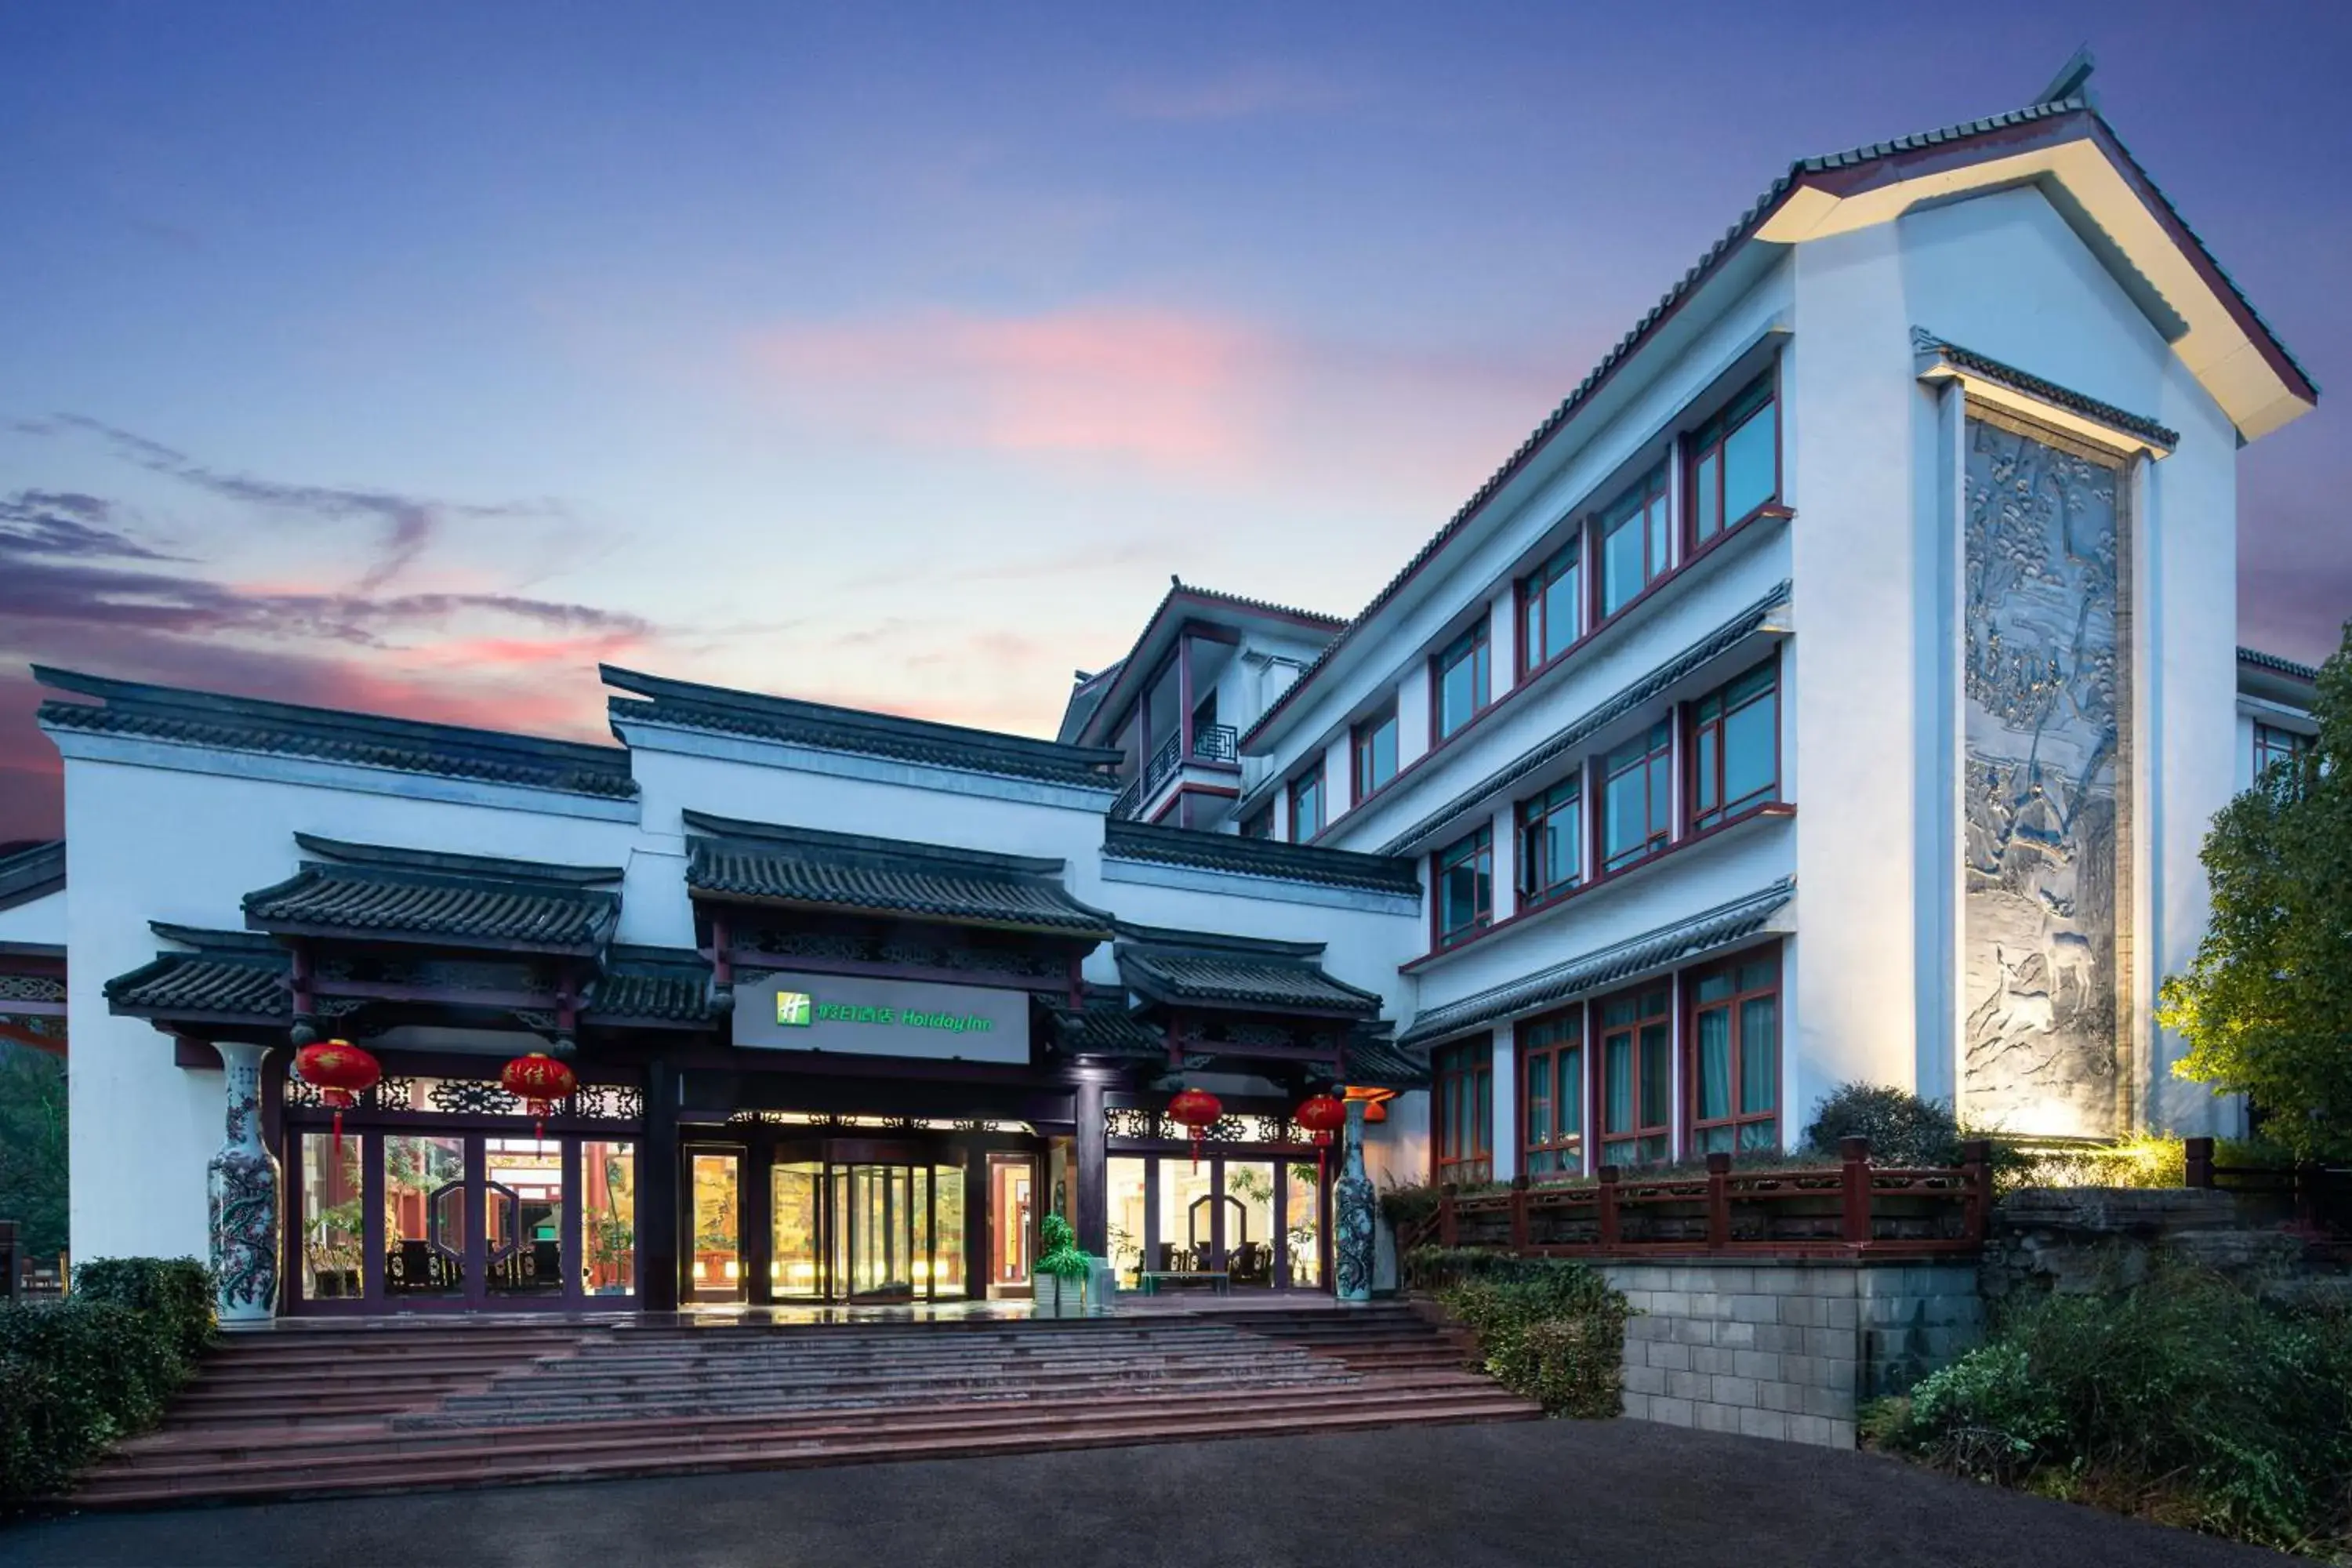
(1836, 686)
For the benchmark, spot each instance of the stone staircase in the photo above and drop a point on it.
(337, 1411)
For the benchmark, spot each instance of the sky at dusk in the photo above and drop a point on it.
(415, 358)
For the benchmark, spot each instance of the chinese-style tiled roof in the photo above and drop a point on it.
(686, 705)
(232, 973)
(1105, 1027)
(891, 878)
(667, 984)
(1199, 969)
(1927, 343)
(1230, 853)
(32, 873)
(367, 890)
(1707, 265)
(1383, 1064)
(205, 719)
(1568, 741)
(1108, 693)
(1717, 927)
(2256, 659)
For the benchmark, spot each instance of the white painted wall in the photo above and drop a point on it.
(43, 920)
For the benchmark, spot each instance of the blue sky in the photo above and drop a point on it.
(416, 357)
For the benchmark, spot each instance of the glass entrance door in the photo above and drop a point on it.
(715, 1213)
(1012, 1222)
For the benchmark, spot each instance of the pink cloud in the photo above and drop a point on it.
(1240, 92)
(1160, 386)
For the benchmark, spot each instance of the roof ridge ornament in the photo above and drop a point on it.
(2073, 80)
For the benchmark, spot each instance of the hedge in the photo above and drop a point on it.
(1550, 1330)
(81, 1373)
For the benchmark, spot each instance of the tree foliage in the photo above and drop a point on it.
(32, 1147)
(2266, 1008)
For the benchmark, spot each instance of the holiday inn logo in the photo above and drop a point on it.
(801, 1010)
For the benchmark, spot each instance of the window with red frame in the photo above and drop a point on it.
(1306, 805)
(1637, 788)
(2274, 745)
(1259, 823)
(1372, 751)
(1735, 1074)
(1735, 746)
(1551, 842)
(1630, 543)
(1549, 604)
(1459, 681)
(1733, 462)
(1551, 1084)
(1463, 898)
(1461, 1094)
(1635, 1070)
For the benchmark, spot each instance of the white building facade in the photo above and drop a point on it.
(1836, 687)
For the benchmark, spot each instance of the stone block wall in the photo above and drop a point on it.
(1786, 1349)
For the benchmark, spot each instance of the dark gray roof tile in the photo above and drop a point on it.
(1199, 969)
(379, 891)
(760, 863)
(1270, 857)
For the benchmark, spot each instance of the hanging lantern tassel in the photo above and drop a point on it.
(1321, 1115)
(1197, 1110)
(539, 1080)
(341, 1072)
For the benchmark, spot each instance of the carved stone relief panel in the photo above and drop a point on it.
(2045, 681)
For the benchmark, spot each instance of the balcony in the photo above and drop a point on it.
(1214, 743)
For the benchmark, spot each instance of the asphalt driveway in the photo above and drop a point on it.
(1559, 1493)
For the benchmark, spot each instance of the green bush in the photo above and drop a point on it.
(1903, 1129)
(1551, 1330)
(78, 1374)
(2187, 1398)
(179, 1291)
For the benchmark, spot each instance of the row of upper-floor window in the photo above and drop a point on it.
(2274, 745)
(1688, 1062)
(1728, 745)
(1729, 473)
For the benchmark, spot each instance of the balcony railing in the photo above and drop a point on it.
(1852, 1208)
(1210, 743)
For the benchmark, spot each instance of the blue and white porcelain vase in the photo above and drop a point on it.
(1353, 1200)
(243, 1185)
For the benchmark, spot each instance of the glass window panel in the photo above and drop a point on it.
(1187, 1215)
(332, 1245)
(1748, 465)
(716, 1267)
(1759, 974)
(1384, 751)
(1302, 1233)
(1662, 795)
(1561, 607)
(422, 1258)
(1127, 1182)
(1617, 1067)
(1714, 1063)
(1570, 1116)
(1709, 502)
(1456, 696)
(1750, 752)
(1759, 1135)
(1539, 1100)
(1655, 1082)
(1658, 543)
(1716, 987)
(1759, 1054)
(1704, 799)
(1250, 1241)
(1620, 562)
(523, 1216)
(796, 1194)
(608, 1218)
(1625, 826)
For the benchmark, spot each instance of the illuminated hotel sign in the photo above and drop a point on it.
(882, 1017)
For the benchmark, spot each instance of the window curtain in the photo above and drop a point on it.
(1714, 1063)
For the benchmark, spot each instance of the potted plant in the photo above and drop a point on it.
(1058, 1282)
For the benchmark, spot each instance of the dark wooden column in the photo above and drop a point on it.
(979, 1224)
(756, 1203)
(1093, 1194)
(658, 1198)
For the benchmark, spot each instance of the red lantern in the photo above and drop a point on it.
(341, 1072)
(1321, 1115)
(1195, 1109)
(538, 1081)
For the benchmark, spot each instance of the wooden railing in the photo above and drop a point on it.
(2321, 1194)
(1853, 1209)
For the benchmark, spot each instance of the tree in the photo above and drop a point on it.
(32, 1147)
(2266, 1008)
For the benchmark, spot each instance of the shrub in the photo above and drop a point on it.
(78, 1374)
(2188, 1398)
(179, 1291)
(1405, 1207)
(1903, 1129)
(1551, 1330)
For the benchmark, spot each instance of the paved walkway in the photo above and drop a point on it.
(1558, 1493)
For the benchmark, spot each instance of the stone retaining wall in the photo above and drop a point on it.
(1787, 1350)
